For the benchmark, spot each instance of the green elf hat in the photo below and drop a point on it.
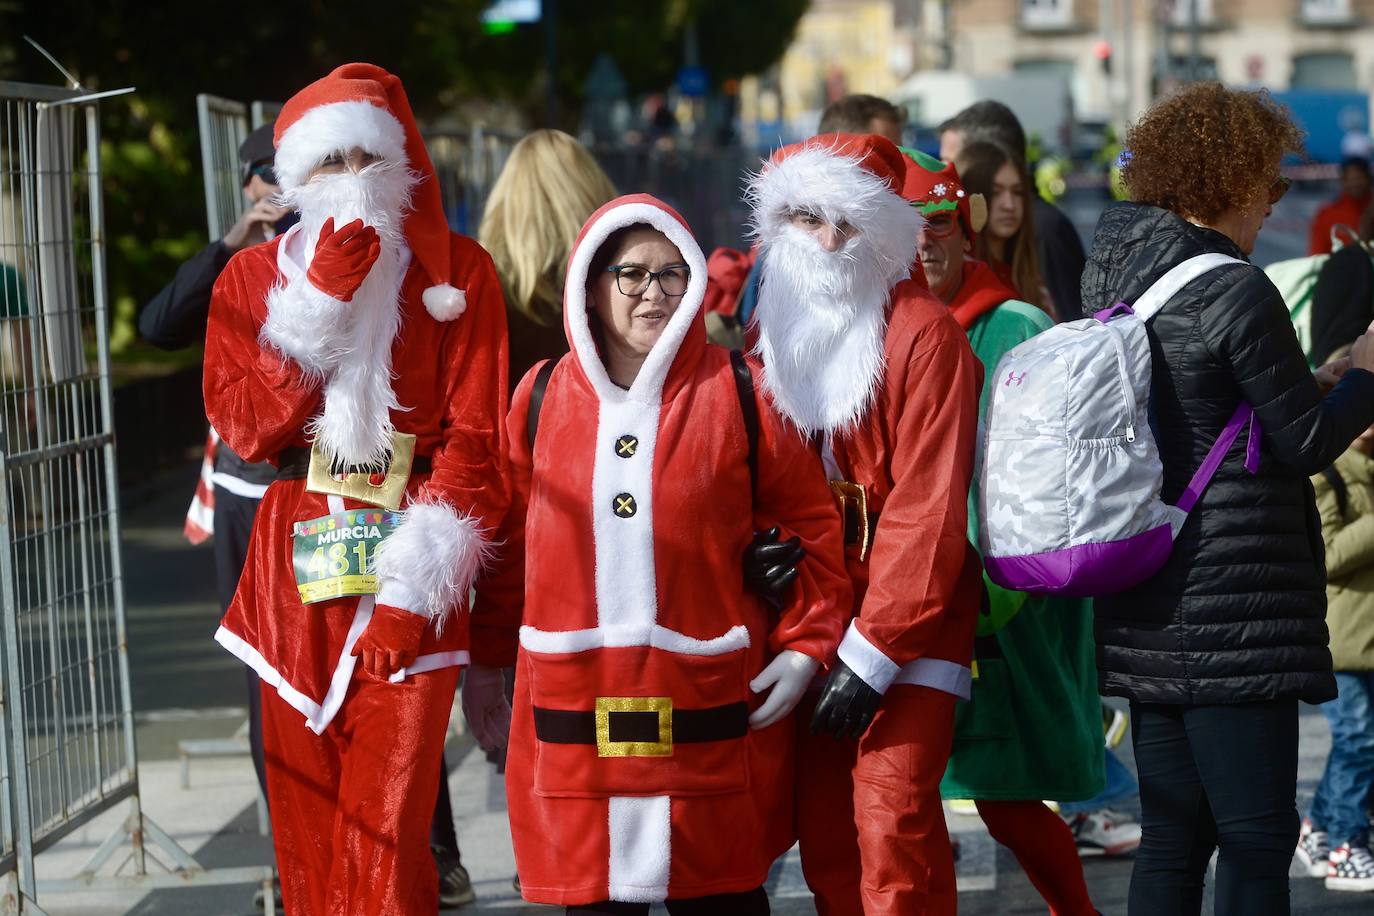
(932, 186)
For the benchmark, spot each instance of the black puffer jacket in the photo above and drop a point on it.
(1238, 612)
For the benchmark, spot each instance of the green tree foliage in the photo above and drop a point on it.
(172, 49)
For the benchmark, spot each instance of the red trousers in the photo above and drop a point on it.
(826, 835)
(891, 813)
(1045, 847)
(351, 807)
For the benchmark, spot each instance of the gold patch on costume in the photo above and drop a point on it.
(384, 490)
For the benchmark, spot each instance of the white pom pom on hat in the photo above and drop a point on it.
(444, 303)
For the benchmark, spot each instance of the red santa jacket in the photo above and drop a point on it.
(448, 378)
(917, 592)
(632, 773)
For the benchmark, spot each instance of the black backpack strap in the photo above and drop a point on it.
(541, 382)
(749, 407)
(1338, 487)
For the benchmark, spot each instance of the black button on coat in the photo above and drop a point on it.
(1238, 612)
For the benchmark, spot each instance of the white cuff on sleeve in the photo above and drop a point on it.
(306, 325)
(398, 594)
(429, 562)
(867, 660)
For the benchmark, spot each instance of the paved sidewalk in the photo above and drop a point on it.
(185, 687)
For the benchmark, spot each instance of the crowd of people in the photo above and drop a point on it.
(711, 602)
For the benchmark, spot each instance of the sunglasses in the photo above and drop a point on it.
(263, 170)
(1278, 189)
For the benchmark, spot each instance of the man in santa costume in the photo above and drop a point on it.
(860, 356)
(363, 352)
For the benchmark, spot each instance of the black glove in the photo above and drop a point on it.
(770, 566)
(847, 704)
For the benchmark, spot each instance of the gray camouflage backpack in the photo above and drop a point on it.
(1071, 476)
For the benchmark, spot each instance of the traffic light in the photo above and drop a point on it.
(1103, 52)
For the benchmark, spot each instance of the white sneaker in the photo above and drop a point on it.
(1350, 868)
(1314, 850)
(1104, 833)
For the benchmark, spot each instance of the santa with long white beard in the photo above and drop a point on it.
(364, 353)
(862, 358)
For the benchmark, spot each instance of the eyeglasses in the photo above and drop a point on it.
(633, 280)
(1278, 189)
(940, 225)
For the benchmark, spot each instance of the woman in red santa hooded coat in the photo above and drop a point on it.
(364, 353)
(645, 762)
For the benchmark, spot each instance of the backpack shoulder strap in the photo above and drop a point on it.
(541, 383)
(1338, 487)
(749, 408)
(1177, 277)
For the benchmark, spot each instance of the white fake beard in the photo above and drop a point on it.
(821, 319)
(355, 426)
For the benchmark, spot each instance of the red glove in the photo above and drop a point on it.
(342, 259)
(391, 640)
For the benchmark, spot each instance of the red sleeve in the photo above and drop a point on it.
(495, 626)
(470, 460)
(257, 398)
(793, 494)
(920, 547)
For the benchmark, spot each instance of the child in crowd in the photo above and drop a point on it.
(1334, 843)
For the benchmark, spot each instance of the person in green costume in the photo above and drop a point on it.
(1032, 729)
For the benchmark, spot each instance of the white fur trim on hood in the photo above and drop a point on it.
(444, 303)
(430, 561)
(648, 385)
(337, 127)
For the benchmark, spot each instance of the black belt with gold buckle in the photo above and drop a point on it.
(640, 726)
(852, 522)
(294, 464)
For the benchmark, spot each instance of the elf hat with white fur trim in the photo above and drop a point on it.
(364, 106)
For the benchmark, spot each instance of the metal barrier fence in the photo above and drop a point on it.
(704, 185)
(67, 749)
(466, 162)
(223, 128)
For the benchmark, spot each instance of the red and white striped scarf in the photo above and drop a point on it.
(200, 517)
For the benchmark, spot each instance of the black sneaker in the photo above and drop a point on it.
(455, 887)
(1350, 868)
(1314, 849)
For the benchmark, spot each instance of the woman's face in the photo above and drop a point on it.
(1243, 224)
(631, 302)
(1007, 208)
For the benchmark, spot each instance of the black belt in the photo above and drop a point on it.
(689, 726)
(294, 464)
(852, 535)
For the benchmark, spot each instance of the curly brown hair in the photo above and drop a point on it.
(1208, 149)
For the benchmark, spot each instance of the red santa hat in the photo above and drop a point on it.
(831, 175)
(851, 178)
(364, 106)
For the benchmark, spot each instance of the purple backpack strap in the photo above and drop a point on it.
(1244, 414)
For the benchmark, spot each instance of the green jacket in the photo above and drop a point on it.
(1349, 541)
(1033, 727)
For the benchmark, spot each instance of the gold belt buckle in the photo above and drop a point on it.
(855, 493)
(605, 747)
(387, 494)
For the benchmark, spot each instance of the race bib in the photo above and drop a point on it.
(334, 555)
